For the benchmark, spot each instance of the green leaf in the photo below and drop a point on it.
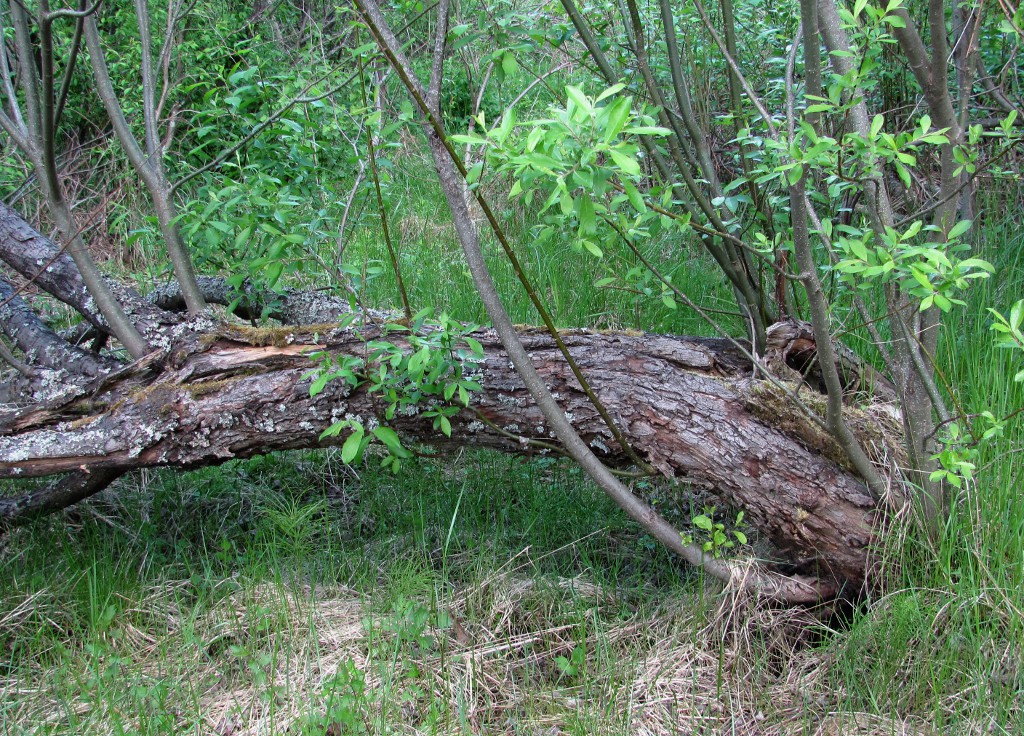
(364, 49)
(633, 194)
(351, 447)
(509, 65)
(914, 229)
(319, 384)
(334, 430)
(795, 174)
(473, 140)
(534, 137)
(703, 522)
(473, 344)
(565, 202)
(465, 41)
(1017, 314)
(613, 90)
(648, 130)
(508, 121)
(577, 96)
(274, 271)
(243, 236)
(390, 438)
(959, 229)
(587, 218)
(627, 163)
(826, 107)
(618, 114)
(858, 248)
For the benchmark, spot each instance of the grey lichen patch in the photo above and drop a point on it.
(147, 436)
(53, 386)
(340, 411)
(62, 441)
(511, 402)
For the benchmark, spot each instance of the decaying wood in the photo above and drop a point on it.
(683, 402)
(790, 342)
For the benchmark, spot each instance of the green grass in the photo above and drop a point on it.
(146, 610)
(435, 273)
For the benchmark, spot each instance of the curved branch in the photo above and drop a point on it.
(41, 262)
(58, 495)
(40, 344)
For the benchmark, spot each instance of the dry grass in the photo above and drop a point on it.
(264, 661)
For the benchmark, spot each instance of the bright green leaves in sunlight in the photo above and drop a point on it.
(429, 370)
(582, 163)
(930, 271)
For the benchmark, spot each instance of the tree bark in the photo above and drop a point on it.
(685, 403)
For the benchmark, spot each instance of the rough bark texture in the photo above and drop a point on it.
(685, 403)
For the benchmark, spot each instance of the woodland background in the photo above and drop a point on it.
(239, 177)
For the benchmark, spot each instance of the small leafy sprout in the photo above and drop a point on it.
(425, 373)
(572, 665)
(716, 537)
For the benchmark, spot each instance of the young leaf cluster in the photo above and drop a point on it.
(426, 374)
(582, 163)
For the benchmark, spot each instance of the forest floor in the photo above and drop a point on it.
(474, 594)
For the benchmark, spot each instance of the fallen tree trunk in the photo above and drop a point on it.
(688, 406)
(209, 392)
